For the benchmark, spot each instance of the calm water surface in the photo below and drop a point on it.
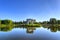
(30, 34)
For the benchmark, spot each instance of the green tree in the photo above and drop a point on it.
(6, 22)
(36, 22)
(0, 22)
(20, 22)
(44, 22)
(53, 21)
(58, 21)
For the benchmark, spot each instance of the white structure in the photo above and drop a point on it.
(30, 21)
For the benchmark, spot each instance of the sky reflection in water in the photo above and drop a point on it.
(23, 34)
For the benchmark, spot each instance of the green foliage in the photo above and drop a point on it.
(6, 22)
(0, 22)
(36, 23)
(53, 21)
(58, 21)
(45, 22)
(18, 22)
(32, 25)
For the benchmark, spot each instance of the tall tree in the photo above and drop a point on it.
(6, 22)
(0, 22)
(58, 21)
(53, 21)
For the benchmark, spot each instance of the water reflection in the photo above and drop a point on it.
(6, 29)
(30, 33)
(30, 30)
(52, 28)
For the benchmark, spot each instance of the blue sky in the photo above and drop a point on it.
(40, 10)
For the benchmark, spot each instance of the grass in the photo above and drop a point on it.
(31, 25)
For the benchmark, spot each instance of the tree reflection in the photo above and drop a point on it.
(58, 28)
(53, 28)
(6, 29)
(30, 29)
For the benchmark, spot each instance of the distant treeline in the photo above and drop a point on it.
(51, 21)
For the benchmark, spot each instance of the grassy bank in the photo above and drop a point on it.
(20, 25)
(27, 25)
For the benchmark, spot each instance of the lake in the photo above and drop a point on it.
(30, 33)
